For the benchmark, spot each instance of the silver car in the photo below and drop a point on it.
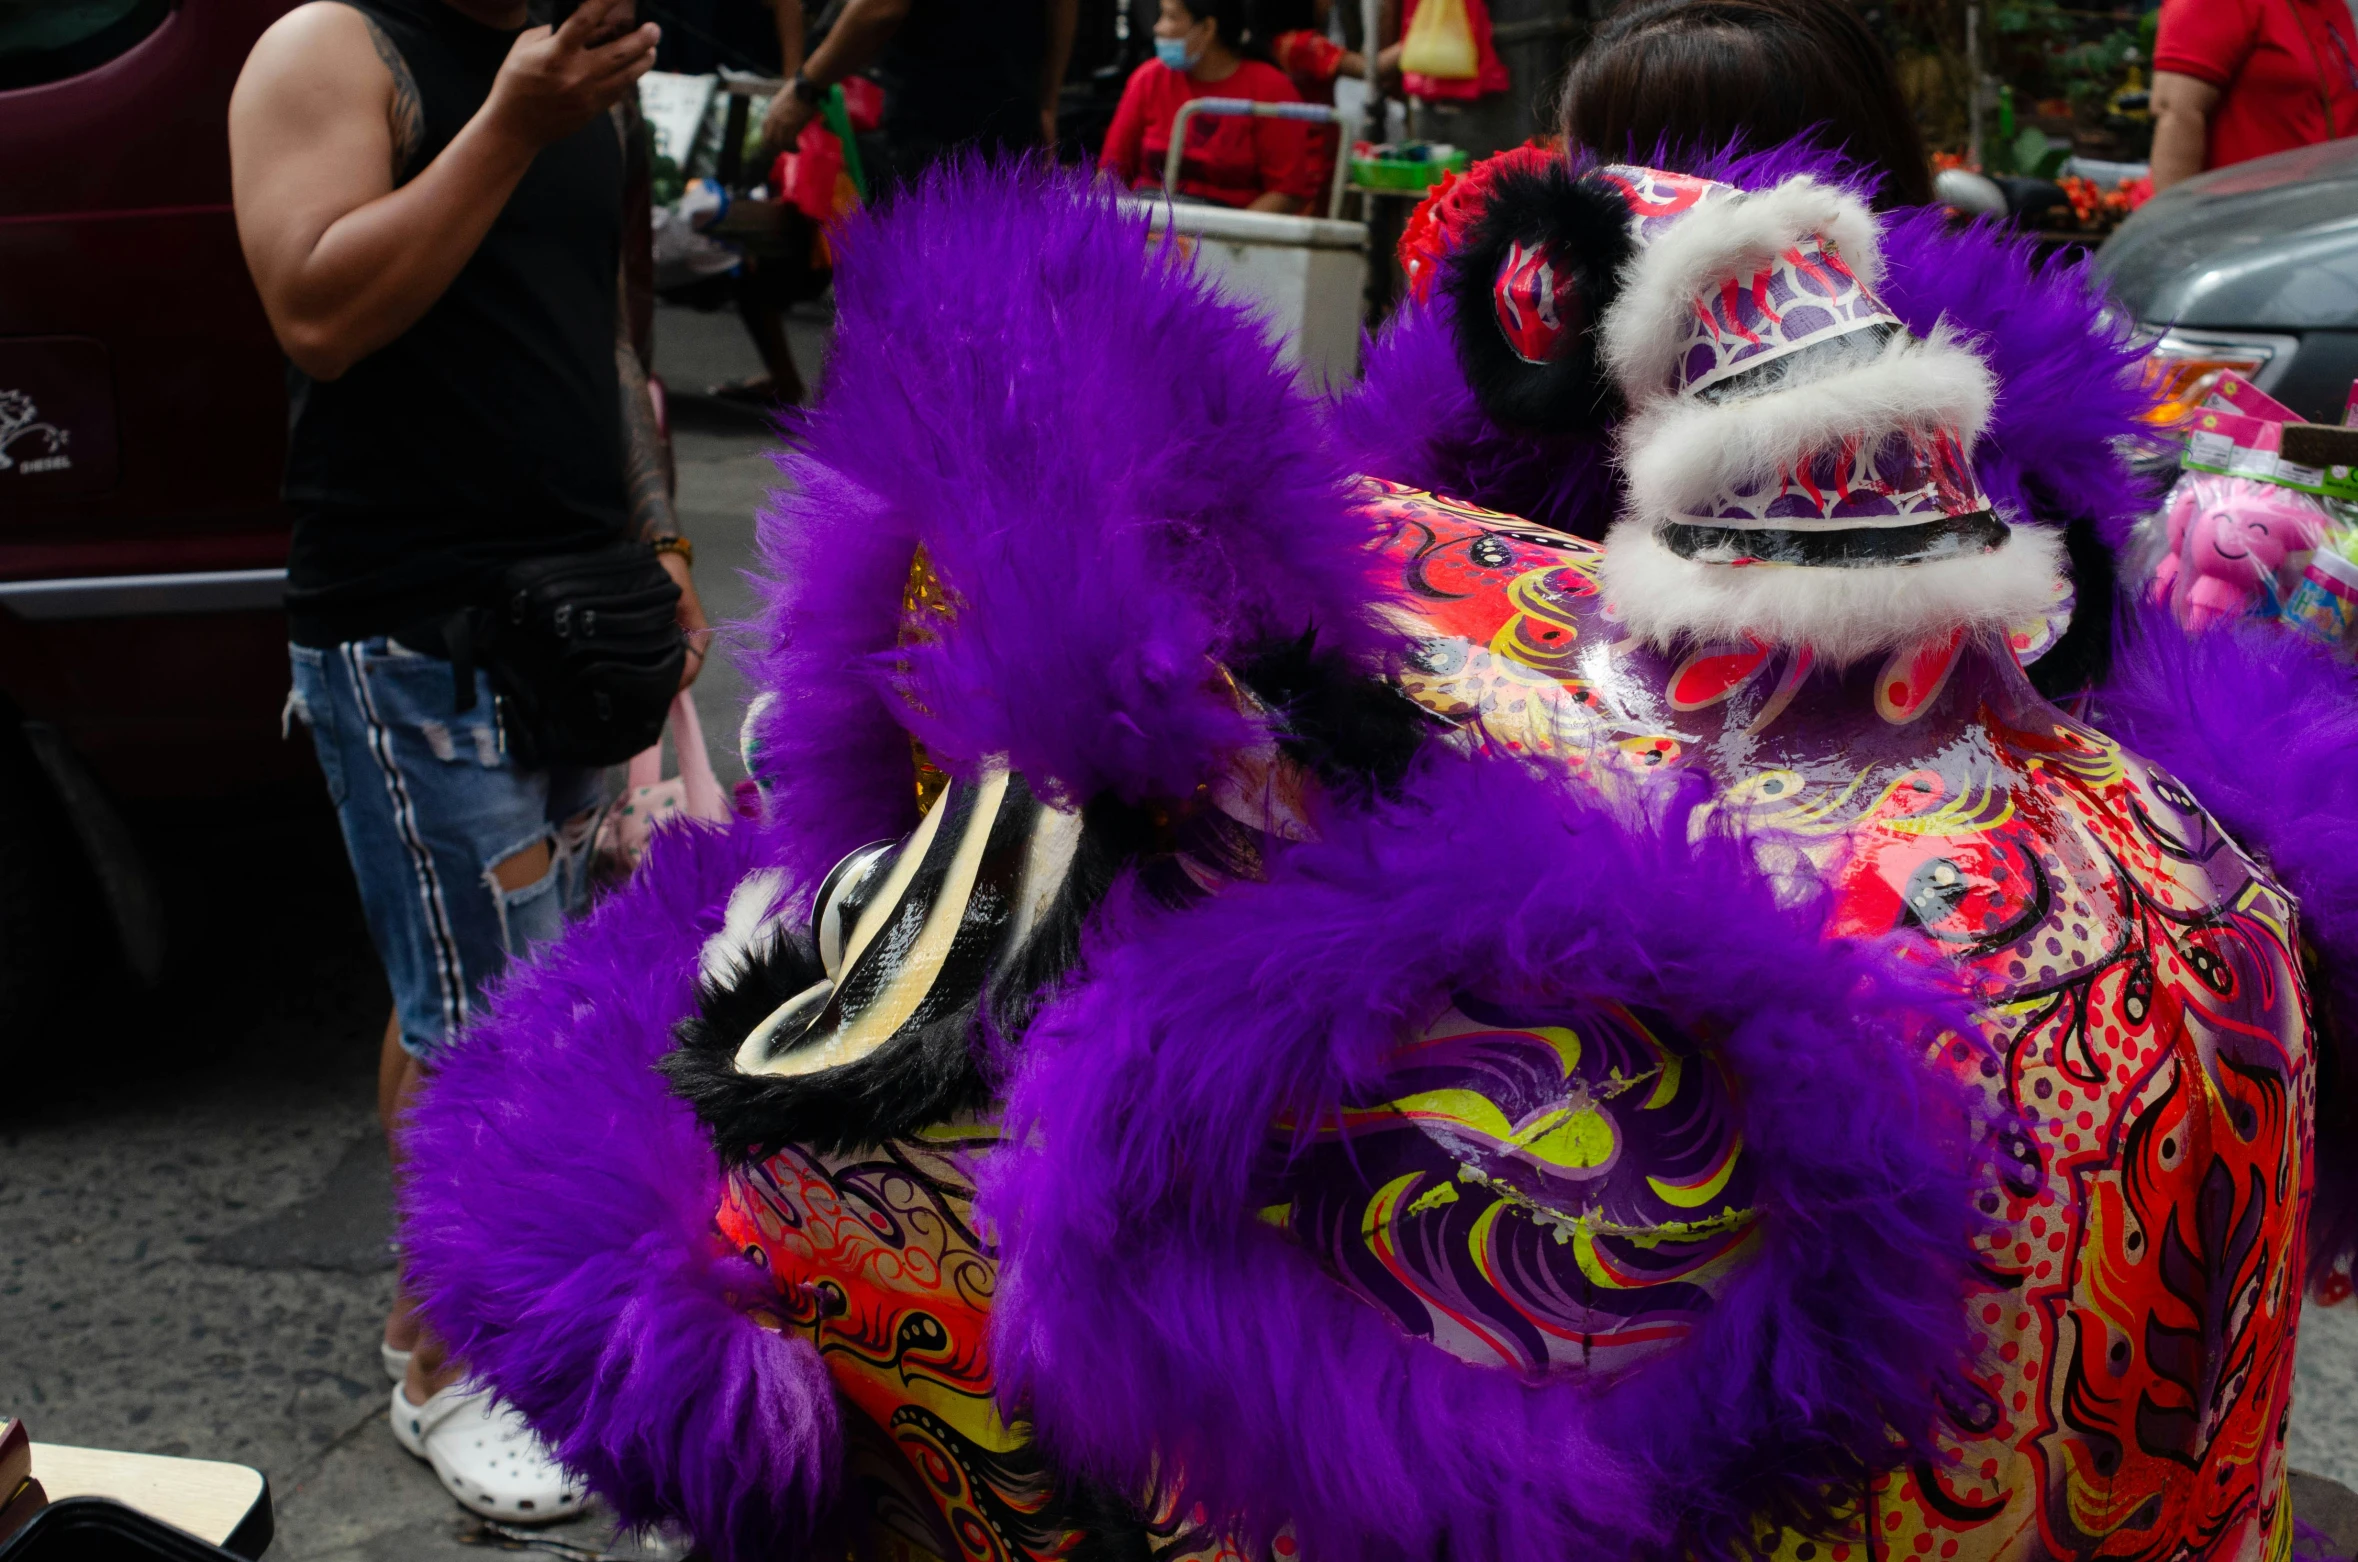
(2254, 268)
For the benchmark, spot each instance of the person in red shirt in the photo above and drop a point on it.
(2238, 79)
(1299, 46)
(1203, 50)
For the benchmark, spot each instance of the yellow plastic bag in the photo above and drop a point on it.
(1440, 42)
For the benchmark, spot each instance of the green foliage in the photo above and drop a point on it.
(751, 154)
(666, 183)
(2046, 53)
(2091, 72)
(2040, 155)
(2033, 153)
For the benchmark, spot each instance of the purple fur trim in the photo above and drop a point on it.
(1146, 1320)
(2068, 388)
(835, 764)
(2069, 399)
(2311, 1544)
(1110, 473)
(557, 1219)
(1413, 419)
(2261, 727)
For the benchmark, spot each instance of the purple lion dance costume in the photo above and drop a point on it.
(1279, 1010)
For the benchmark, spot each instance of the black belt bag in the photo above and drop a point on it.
(584, 651)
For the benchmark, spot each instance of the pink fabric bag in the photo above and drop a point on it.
(648, 800)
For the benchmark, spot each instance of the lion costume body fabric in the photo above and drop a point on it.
(1274, 1012)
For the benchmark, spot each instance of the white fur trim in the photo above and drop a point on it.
(1842, 613)
(752, 922)
(1728, 235)
(1682, 453)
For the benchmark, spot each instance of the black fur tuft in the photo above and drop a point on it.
(1114, 836)
(918, 1078)
(1356, 732)
(2081, 658)
(1585, 226)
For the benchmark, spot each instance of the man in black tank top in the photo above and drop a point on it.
(429, 193)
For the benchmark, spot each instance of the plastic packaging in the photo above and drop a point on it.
(2324, 605)
(2235, 546)
(1440, 42)
(2263, 521)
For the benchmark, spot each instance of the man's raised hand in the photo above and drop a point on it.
(555, 80)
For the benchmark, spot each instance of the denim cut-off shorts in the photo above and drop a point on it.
(430, 803)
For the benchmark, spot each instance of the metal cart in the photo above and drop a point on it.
(1306, 275)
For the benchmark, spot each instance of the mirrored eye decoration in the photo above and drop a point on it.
(1537, 301)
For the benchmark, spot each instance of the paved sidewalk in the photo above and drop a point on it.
(193, 1210)
(2324, 1433)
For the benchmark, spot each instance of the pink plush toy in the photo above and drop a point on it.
(2228, 538)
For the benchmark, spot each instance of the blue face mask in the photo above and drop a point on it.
(1173, 52)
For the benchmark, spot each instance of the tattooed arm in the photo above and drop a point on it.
(405, 116)
(345, 255)
(644, 487)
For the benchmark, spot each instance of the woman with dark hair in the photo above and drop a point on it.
(1664, 77)
(1206, 49)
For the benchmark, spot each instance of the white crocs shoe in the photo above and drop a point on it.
(486, 1456)
(396, 1361)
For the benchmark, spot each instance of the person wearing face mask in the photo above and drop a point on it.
(1205, 49)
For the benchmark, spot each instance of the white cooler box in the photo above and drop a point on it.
(1306, 275)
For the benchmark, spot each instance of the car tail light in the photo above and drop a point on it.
(2182, 366)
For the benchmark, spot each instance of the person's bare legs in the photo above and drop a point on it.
(394, 1066)
(391, 1058)
(431, 1368)
(768, 330)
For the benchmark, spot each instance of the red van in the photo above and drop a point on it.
(142, 428)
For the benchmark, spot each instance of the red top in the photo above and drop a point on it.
(2286, 70)
(1229, 159)
(1312, 60)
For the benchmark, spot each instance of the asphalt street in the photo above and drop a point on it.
(193, 1202)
